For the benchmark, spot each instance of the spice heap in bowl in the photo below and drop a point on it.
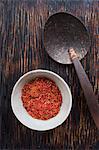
(41, 98)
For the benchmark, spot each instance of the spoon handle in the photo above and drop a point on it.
(91, 99)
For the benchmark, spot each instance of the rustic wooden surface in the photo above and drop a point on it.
(22, 49)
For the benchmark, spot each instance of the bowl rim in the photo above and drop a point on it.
(49, 72)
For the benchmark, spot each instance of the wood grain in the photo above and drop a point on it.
(22, 49)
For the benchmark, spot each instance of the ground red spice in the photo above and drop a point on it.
(41, 98)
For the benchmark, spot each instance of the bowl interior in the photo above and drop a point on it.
(22, 114)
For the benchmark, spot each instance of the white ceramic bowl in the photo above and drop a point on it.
(36, 124)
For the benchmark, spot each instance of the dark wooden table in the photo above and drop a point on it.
(22, 50)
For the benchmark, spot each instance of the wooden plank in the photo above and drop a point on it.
(21, 50)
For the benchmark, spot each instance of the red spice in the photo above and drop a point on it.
(41, 98)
